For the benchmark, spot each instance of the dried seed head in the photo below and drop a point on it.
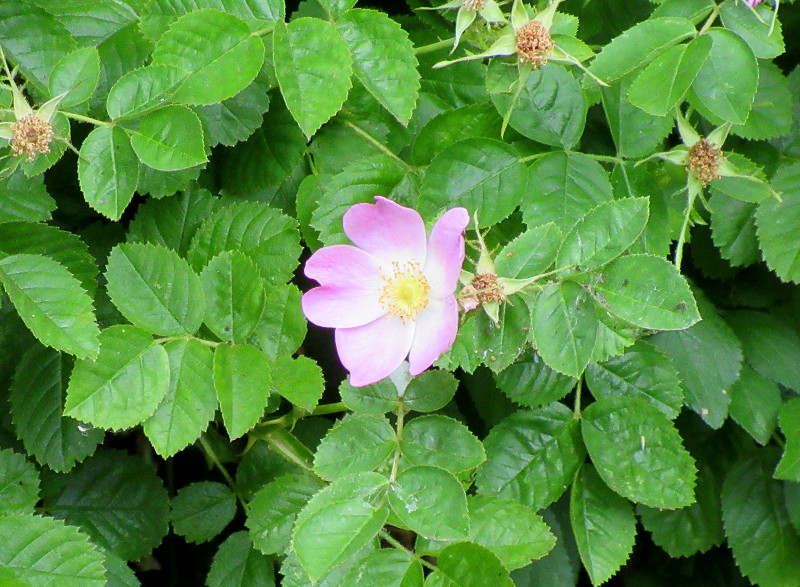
(487, 288)
(31, 136)
(474, 4)
(534, 43)
(704, 161)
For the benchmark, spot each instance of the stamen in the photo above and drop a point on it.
(704, 161)
(405, 292)
(487, 288)
(534, 43)
(31, 136)
(474, 4)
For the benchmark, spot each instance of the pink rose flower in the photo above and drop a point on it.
(752, 3)
(391, 296)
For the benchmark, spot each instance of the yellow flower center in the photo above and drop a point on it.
(405, 291)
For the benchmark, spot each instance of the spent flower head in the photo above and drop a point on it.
(391, 296)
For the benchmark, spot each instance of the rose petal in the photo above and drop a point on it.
(436, 330)
(388, 230)
(341, 307)
(371, 352)
(446, 252)
(344, 266)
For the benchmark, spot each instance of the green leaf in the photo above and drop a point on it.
(268, 237)
(451, 126)
(235, 119)
(217, 53)
(377, 398)
(513, 532)
(733, 229)
(529, 254)
(242, 380)
(442, 442)
(258, 14)
(124, 385)
(91, 22)
(603, 233)
(764, 543)
(76, 74)
(789, 466)
(565, 327)
(431, 502)
(563, 186)
(727, 81)
(190, 402)
(603, 524)
(33, 39)
(172, 222)
(108, 171)
(160, 184)
(561, 566)
(299, 380)
(272, 511)
(283, 325)
(764, 37)
(338, 522)
(771, 115)
(468, 565)
(664, 83)
(201, 510)
(483, 175)
(357, 183)
(388, 567)
(142, 89)
(639, 45)
(531, 383)
(550, 109)
(481, 341)
(642, 372)
(383, 60)
(430, 391)
(769, 344)
(755, 401)
(638, 452)
(62, 555)
(24, 198)
(303, 52)
(51, 303)
(170, 139)
(155, 289)
(775, 222)
(118, 500)
(357, 443)
(37, 402)
(635, 132)
(19, 484)
(694, 10)
(649, 292)
(235, 296)
(238, 564)
(708, 357)
(532, 456)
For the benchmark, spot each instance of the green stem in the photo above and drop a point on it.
(401, 413)
(578, 389)
(380, 146)
(398, 545)
(326, 409)
(82, 118)
(433, 47)
(534, 157)
(684, 228)
(208, 450)
(208, 343)
(710, 20)
(287, 445)
(604, 158)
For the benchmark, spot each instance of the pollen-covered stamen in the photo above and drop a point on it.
(534, 43)
(31, 136)
(405, 291)
(474, 4)
(704, 161)
(487, 288)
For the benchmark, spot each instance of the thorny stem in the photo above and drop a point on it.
(377, 143)
(684, 228)
(578, 389)
(208, 450)
(82, 118)
(433, 47)
(401, 413)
